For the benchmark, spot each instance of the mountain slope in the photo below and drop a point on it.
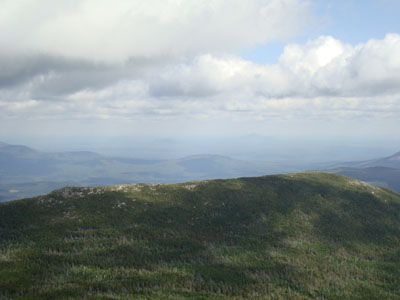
(379, 176)
(392, 161)
(297, 236)
(384, 172)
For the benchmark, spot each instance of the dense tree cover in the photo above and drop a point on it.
(299, 236)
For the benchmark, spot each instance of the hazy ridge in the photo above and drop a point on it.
(26, 172)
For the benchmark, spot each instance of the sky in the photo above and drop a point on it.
(309, 69)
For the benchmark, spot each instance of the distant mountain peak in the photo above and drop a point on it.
(395, 156)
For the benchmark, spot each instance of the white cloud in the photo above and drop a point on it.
(322, 67)
(316, 54)
(116, 30)
(321, 78)
(173, 59)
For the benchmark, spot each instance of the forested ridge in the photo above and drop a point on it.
(308, 235)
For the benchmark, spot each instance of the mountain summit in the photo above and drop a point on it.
(395, 156)
(298, 236)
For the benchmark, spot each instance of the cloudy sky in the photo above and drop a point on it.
(187, 67)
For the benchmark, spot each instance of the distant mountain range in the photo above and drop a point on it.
(26, 172)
